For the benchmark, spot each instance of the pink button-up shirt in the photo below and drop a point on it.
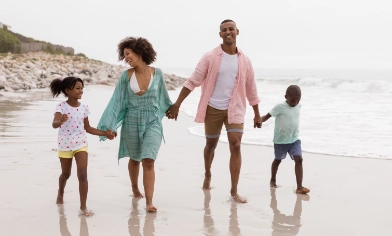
(205, 75)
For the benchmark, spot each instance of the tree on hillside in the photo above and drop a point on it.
(9, 43)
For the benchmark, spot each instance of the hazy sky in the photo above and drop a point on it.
(293, 34)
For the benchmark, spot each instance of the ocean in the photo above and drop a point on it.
(344, 112)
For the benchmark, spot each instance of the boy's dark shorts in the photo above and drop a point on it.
(293, 149)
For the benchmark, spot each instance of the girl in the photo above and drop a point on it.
(72, 118)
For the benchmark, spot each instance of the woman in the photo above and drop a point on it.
(139, 103)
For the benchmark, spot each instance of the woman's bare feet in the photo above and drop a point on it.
(151, 208)
(206, 183)
(60, 198)
(137, 193)
(85, 212)
(238, 198)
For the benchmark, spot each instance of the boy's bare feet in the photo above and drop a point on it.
(137, 193)
(151, 208)
(60, 198)
(85, 212)
(238, 198)
(302, 190)
(273, 184)
(206, 183)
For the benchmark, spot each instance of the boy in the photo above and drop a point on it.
(286, 135)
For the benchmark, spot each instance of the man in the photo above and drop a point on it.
(227, 80)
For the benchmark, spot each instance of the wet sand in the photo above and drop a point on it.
(349, 196)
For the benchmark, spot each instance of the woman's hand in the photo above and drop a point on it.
(172, 112)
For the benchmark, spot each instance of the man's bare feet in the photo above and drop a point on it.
(206, 183)
(85, 212)
(273, 184)
(151, 208)
(59, 199)
(238, 198)
(137, 193)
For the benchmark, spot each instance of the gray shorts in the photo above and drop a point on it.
(293, 149)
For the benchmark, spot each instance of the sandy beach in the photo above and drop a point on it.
(349, 196)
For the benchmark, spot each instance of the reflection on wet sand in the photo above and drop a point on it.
(83, 226)
(8, 111)
(234, 228)
(287, 224)
(208, 220)
(64, 231)
(63, 222)
(134, 221)
(149, 228)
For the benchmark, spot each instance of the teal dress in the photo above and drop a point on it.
(140, 117)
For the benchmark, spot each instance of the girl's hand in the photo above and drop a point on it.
(64, 118)
(110, 137)
(110, 134)
(59, 119)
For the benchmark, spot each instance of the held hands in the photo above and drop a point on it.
(172, 112)
(110, 134)
(257, 122)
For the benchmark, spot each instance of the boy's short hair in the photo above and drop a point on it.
(293, 90)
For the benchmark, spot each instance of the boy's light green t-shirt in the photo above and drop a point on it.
(286, 123)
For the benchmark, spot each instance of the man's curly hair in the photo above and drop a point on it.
(140, 46)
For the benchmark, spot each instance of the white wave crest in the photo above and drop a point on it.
(369, 86)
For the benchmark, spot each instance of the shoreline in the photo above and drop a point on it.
(44, 94)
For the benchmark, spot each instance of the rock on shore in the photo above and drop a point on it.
(21, 72)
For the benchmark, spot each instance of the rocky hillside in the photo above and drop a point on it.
(20, 72)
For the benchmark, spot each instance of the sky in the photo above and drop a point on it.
(275, 34)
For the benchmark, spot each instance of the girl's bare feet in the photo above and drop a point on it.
(151, 208)
(206, 183)
(60, 198)
(85, 212)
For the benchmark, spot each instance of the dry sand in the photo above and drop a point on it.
(349, 196)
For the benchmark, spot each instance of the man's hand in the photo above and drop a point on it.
(172, 112)
(257, 122)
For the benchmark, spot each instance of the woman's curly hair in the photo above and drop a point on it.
(140, 46)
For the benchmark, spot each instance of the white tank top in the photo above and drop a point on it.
(224, 86)
(135, 86)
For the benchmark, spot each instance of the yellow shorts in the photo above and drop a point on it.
(70, 154)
